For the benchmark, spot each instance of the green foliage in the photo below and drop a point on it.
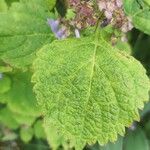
(87, 89)
(23, 31)
(147, 1)
(136, 140)
(70, 14)
(91, 92)
(124, 46)
(114, 146)
(5, 84)
(20, 98)
(50, 3)
(139, 12)
(26, 134)
(8, 120)
(23, 119)
(54, 138)
(3, 6)
(39, 129)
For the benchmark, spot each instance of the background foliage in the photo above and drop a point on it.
(23, 32)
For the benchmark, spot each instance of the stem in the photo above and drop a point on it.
(97, 28)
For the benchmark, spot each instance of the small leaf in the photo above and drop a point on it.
(39, 129)
(26, 134)
(88, 90)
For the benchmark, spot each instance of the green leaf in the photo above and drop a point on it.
(6, 118)
(147, 1)
(23, 31)
(13, 120)
(89, 90)
(124, 46)
(39, 129)
(136, 140)
(26, 134)
(3, 6)
(54, 138)
(23, 119)
(5, 69)
(70, 14)
(50, 3)
(139, 13)
(20, 98)
(5, 84)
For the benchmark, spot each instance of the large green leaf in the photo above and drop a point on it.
(23, 31)
(89, 90)
(139, 12)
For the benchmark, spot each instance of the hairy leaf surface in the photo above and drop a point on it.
(23, 31)
(89, 90)
(139, 12)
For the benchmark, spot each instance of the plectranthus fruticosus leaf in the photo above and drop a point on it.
(23, 31)
(139, 12)
(89, 90)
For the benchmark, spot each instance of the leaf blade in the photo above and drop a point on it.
(85, 92)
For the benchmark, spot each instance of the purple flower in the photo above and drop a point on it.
(60, 33)
(54, 24)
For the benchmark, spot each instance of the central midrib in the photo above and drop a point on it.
(90, 85)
